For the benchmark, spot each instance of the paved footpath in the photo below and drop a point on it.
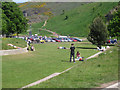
(13, 51)
(114, 86)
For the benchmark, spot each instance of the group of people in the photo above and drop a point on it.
(72, 54)
(29, 46)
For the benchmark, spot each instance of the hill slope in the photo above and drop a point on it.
(76, 22)
(40, 11)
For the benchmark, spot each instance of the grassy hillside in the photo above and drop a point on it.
(57, 7)
(79, 19)
(54, 7)
(41, 11)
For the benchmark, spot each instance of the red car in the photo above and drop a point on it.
(73, 40)
(57, 40)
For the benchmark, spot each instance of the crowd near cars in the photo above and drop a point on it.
(40, 39)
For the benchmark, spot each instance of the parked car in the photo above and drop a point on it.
(31, 38)
(19, 37)
(42, 41)
(36, 39)
(69, 40)
(45, 40)
(65, 39)
(50, 39)
(56, 39)
(111, 41)
(73, 40)
(61, 39)
(79, 40)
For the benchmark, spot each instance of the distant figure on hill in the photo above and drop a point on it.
(72, 53)
(66, 17)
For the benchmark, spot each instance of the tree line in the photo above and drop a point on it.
(99, 31)
(13, 20)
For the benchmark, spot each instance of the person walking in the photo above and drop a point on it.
(72, 54)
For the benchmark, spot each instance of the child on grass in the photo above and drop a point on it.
(78, 56)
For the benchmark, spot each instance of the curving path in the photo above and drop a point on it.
(13, 51)
(56, 74)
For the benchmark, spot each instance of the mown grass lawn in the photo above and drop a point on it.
(23, 69)
(89, 74)
(15, 41)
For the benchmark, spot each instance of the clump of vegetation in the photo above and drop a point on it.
(13, 20)
(114, 25)
(98, 32)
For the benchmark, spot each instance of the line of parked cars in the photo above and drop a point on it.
(38, 39)
(111, 41)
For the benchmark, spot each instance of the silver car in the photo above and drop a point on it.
(50, 40)
(69, 40)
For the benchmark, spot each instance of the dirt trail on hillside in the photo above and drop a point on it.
(44, 23)
(54, 33)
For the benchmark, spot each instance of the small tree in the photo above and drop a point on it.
(98, 32)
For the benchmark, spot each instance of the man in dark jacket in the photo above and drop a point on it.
(72, 48)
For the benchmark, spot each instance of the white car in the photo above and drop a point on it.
(69, 40)
(50, 40)
(65, 39)
(79, 40)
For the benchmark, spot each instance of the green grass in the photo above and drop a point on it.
(89, 74)
(23, 69)
(15, 41)
(79, 19)
(35, 28)
(37, 25)
(45, 33)
(37, 31)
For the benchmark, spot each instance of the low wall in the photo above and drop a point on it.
(13, 51)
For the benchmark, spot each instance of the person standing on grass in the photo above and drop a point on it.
(72, 54)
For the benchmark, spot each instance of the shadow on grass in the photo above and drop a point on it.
(65, 61)
(86, 48)
(109, 45)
